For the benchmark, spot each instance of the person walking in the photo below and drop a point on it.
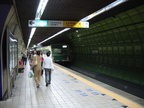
(24, 58)
(42, 60)
(48, 67)
(37, 68)
(33, 54)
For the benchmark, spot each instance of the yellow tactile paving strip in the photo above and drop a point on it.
(103, 90)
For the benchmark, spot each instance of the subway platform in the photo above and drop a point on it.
(68, 89)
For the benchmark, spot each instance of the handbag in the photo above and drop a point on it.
(30, 74)
(35, 62)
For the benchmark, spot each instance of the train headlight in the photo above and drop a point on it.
(64, 46)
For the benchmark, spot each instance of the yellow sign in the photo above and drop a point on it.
(76, 24)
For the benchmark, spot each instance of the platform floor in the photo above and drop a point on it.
(68, 89)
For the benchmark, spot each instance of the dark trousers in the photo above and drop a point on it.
(41, 69)
(24, 62)
(47, 76)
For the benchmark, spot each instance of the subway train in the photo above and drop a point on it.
(59, 52)
(8, 64)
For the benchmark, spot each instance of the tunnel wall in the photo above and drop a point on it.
(113, 47)
(9, 23)
(12, 22)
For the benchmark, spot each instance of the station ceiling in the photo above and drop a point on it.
(63, 10)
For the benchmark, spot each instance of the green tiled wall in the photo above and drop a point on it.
(114, 46)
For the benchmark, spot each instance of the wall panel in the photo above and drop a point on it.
(114, 46)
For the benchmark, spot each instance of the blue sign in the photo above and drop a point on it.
(38, 23)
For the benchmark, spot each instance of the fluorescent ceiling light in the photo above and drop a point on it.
(108, 7)
(14, 40)
(39, 13)
(41, 8)
(31, 35)
(64, 30)
(32, 32)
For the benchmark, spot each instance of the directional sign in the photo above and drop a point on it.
(76, 24)
(51, 23)
(38, 23)
(55, 23)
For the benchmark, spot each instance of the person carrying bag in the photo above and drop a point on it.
(37, 68)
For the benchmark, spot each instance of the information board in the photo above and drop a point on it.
(53, 23)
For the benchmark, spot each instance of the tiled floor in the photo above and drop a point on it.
(65, 91)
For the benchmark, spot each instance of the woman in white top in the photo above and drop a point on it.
(48, 66)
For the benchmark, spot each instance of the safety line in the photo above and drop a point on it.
(103, 90)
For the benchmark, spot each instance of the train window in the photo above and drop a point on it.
(57, 51)
(60, 51)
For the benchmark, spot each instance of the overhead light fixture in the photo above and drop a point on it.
(100, 11)
(41, 9)
(60, 32)
(31, 35)
(39, 12)
(14, 40)
(108, 7)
